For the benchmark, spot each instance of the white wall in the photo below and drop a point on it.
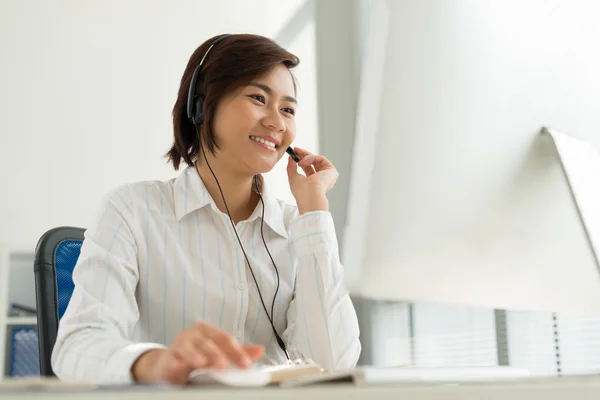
(87, 92)
(303, 44)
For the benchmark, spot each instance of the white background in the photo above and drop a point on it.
(87, 89)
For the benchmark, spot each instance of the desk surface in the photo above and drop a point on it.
(575, 388)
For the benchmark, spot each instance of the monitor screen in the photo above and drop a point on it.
(455, 196)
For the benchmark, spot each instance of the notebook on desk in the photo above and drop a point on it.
(308, 373)
(385, 376)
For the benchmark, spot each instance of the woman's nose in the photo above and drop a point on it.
(274, 120)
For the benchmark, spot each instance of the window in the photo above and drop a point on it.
(438, 335)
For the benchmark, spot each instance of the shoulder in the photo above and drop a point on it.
(141, 193)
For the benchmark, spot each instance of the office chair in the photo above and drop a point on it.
(56, 254)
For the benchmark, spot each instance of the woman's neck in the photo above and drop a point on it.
(237, 190)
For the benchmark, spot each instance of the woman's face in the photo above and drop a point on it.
(256, 123)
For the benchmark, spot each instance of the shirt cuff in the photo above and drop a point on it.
(120, 363)
(313, 231)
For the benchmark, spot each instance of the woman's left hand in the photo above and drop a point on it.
(310, 190)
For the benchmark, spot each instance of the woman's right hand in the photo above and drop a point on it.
(201, 346)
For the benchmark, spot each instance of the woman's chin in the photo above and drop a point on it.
(262, 165)
(262, 169)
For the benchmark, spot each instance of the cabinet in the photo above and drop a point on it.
(18, 335)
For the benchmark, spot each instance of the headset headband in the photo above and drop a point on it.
(192, 90)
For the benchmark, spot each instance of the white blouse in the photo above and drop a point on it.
(160, 256)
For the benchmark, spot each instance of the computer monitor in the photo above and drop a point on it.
(580, 162)
(456, 197)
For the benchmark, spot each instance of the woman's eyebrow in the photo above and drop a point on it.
(269, 91)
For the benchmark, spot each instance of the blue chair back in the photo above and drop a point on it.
(56, 254)
(65, 258)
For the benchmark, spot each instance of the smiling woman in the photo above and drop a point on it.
(234, 67)
(173, 277)
(261, 110)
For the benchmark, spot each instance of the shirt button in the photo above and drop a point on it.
(238, 334)
(241, 286)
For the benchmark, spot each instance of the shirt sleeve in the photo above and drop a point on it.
(322, 322)
(93, 340)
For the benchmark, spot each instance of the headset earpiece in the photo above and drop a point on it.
(198, 116)
(195, 102)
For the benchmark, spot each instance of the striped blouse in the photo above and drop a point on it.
(160, 256)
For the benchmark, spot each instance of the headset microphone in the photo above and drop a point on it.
(293, 154)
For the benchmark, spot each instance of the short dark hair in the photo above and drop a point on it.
(233, 63)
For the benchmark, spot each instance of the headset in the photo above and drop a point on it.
(195, 102)
(195, 105)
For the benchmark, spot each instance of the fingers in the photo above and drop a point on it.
(308, 169)
(254, 352)
(302, 152)
(201, 346)
(214, 354)
(306, 166)
(231, 349)
(189, 349)
(218, 348)
(317, 162)
(292, 170)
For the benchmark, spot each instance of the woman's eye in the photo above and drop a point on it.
(290, 111)
(258, 97)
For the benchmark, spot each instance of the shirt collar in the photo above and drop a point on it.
(190, 194)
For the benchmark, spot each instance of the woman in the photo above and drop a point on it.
(209, 270)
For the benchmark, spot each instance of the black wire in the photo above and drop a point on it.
(262, 234)
(280, 341)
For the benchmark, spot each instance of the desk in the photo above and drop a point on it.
(574, 388)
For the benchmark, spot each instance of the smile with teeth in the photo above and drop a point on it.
(263, 141)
